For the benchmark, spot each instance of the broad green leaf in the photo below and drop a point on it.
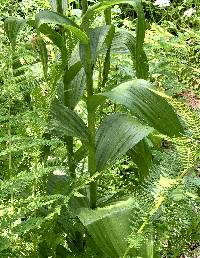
(64, 121)
(55, 18)
(109, 226)
(147, 105)
(74, 83)
(115, 136)
(141, 155)
(12, 26)
(99, 37)
(123, 42)
(140, 29)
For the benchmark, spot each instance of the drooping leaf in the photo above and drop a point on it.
(55, 37)
(64, 121)
(115, 136)
(74, 83)
(141, 155)
(147, 105)
(12, 26)
(46, 16)
(140, 62)
(109, 227)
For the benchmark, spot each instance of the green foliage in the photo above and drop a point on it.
(83, 169)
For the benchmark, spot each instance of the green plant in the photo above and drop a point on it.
(139, 110)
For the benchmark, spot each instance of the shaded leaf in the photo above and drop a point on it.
(56, 38)
(81, 153)
(115, 136)
(142, 157)
(147, 105)
(99, 37)
(74, 84)
(123, 42)
(64, 121)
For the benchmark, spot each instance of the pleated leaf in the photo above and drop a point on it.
(46, 16)
(59, 6)
(64, 121)
(147, 105)
(124, 42)
(109, 227)
(140, 62)
(12, 26)
(115, 136)
(74, 84)
(99, 37)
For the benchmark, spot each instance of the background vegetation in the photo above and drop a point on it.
(99, 129)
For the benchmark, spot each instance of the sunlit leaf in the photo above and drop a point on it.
(147, 105)
(109, 227)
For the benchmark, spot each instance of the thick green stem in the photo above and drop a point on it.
(91, 128)
(92, 159)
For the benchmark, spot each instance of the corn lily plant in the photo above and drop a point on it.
(119, 132)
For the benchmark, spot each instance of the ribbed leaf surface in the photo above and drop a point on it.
(64, 121)
(74, 83)
(140, 63)
(55, 18)
(109, 227)
(124, 42)
(115, 136)
(147, 105)
(99, 37)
